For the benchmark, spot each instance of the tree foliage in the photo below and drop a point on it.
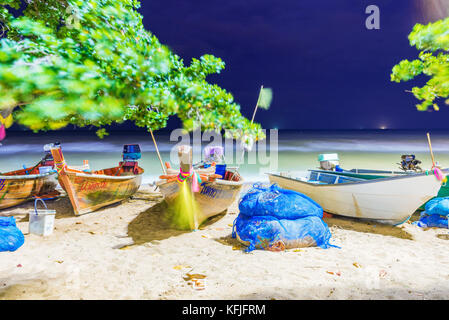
(91, 62)
(433, 42)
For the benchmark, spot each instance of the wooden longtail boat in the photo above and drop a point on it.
(216, 192)
(19, 186)
(390, 200)
(214, 197)
(89, 191)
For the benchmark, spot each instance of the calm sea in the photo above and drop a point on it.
(294, 150)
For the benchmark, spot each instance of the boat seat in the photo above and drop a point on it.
(319, 177)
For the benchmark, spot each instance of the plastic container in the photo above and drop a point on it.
(44, 170)
(220, 169)
(41, 221)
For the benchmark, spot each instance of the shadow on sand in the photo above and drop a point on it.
(367, 227)
(156, 224)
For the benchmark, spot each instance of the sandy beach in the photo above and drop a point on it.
(130, 251)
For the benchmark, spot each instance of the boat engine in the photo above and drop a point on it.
(213, 154)
(329, 161)
(47, 160)
(131, 153)
(410, 163)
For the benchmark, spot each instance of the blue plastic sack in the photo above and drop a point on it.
(439, 206)
(270, 233)
(279, 203)
(11, 238)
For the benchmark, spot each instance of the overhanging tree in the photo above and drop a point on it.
(433, 42)
(93, 63)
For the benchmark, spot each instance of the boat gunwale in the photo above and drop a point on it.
(103, 176)
(241, 182)
(27, 176)
(362, 181)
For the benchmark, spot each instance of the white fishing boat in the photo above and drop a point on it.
(390, 200)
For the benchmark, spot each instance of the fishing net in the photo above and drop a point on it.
(275, 219)
(432, 221)
(438, 206)
(276, 202)
(11, 238)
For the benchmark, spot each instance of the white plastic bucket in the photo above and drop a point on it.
(43, 170)
(41, 221)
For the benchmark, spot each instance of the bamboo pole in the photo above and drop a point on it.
(430, 147)
(158, 154)
(252, 120)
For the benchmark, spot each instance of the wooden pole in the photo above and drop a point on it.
(431, 152)
(158, 154)
(257, 105)
(252, 120)
(64, 179)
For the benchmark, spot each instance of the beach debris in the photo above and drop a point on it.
(298, 250)
(59, 261)
(327, 215)
(337, 273)
(382, 273)
(443, 236)
(179, 267)
(357, 265)
(91, 232)
(230, 225)
(78, 222)
(196, 280)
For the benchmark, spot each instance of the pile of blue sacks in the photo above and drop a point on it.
(436, 214)
(276, 219)
(11, 238)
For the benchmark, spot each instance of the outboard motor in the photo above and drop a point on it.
(213, 154)
(131, 153)
(329, 161)
(410, 163)
(47, 160)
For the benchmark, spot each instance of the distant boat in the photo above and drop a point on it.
(390, 200)
(90, 191)
(19, 186)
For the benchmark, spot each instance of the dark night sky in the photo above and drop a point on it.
(326, 69)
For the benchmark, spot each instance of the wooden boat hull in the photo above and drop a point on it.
(212, 199)
(391, 200)
(18, 189)
(90, 192)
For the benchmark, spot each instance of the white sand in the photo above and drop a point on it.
(83, 260)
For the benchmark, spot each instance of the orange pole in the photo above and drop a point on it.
(63, 178)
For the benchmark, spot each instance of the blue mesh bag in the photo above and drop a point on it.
(272, 218)
(277, 202)
(11, 238)
(432, 221)
(439, 206)
(270, 233)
